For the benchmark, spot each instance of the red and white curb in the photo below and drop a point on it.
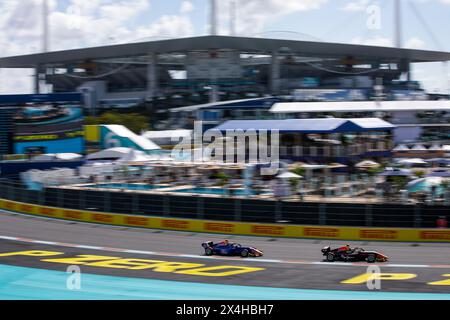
(170, 254)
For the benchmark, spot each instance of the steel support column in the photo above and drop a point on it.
(275, 73)
(152, 76)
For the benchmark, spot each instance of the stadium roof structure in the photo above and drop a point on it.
(360, 106)
(264, 102)
(330, 125)
(307, 48)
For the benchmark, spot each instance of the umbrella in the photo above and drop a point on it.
(288, 175)
(336, 166)
(401, 147)
(367, 164)
(415, 161)
(134, 156)
(312, 166)
(436, 147)
(419, 147)
(425, 184)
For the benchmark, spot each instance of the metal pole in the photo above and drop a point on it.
(233, 18)
(200, 208)
(275, 73)
(278, 213)
(166, 206)
(107, 202)
(237, 210)
(45, 29)
(322, 214)
(152, 76)
(398, 24)
(368, 214)
(213, 18)
(417, 216)
(36, 82)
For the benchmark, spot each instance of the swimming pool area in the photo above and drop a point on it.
(196, 190)
(219, 191)
(127, 186)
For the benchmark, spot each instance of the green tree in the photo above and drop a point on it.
(420, 173)
(299, 171)
(223, 177)
(374, 171)
(399, 181)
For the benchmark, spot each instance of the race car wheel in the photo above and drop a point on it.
(371, 258)
(208, 252)
(330, 257)
(244, 253)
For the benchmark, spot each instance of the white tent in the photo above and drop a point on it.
(419, 147)
(312, 166)
(168, 137)
(57, 156)
(367, 164)
(401, 147)
(288, 175)
(335, 165)
(110, 154)
(134, 156)
(411, 162)
(436, 147)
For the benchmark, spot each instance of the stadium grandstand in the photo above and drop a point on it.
(189, 71)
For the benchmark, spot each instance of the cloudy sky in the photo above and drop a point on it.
(85, 23)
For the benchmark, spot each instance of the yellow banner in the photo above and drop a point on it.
(238, 228)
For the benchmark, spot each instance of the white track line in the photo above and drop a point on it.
(166, 254)
(89, 247)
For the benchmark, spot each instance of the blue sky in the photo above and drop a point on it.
(84, 23)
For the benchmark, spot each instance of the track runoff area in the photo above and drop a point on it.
(45, 258)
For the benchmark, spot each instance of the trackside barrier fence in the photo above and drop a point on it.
(231, 215)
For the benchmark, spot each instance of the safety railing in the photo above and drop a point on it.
(229, 209)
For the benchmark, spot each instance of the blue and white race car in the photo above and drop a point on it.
(225, 248)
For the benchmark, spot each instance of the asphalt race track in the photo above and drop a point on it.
(153, 255)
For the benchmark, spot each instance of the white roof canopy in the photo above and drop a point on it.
(167, 134)
(361, 106)
(134, 156)
(112, 153)
(367, 164)
(57, 156)
(288, 175)
(401, 147)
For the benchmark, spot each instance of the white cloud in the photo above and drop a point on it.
(415, 43)
(123, 10)
(360, 5)
(80, 24)
(374, 41)
(16, 81)
(254, 15)
(186, 7)
(168, 26)
(411, 43)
